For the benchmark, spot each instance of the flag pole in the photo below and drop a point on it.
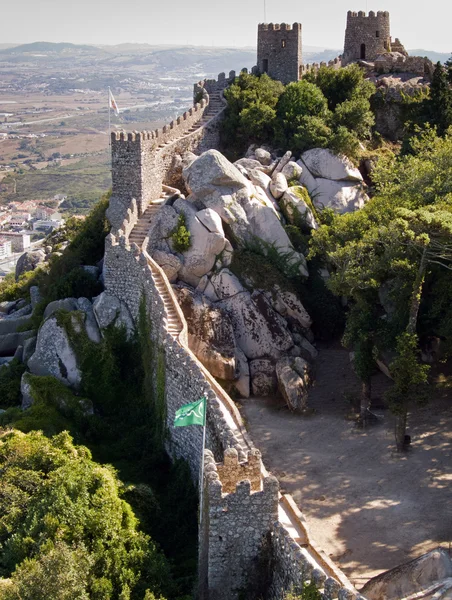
(109, 117)
(201, 476)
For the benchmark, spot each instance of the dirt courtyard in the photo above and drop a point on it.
(367, 507)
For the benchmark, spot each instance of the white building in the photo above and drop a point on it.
(19, 241)
(5, 247)
(47, 225)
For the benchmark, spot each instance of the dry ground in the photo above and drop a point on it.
(369, 508)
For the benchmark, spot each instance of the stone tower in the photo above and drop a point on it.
(366, 37)
(279, 51)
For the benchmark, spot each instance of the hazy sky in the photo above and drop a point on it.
(213, 22)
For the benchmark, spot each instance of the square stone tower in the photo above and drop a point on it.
(279, 51)
(366, 37)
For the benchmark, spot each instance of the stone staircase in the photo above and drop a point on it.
(140, 231)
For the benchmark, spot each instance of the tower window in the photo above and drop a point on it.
(377, 34)
(283, 43)
(363, 51)
(265, 65)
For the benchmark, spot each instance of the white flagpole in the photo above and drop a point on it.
(109, 116)
(201, 477)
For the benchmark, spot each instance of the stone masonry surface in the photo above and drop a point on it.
(243, 511)
(279, 51)
(366, 36)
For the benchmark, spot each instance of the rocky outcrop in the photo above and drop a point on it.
(259, 330)
(108, 310)
(278, 186)
(11, 341)
(247, 209)
(54, 354)
(332, 181)
(297, 210)
(341, 196)
(29, 261)
(294, 381)
(210, 334)
(414, 579)
(321, 162)
(263, 377)
(206, 242)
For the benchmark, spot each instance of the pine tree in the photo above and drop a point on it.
(441, 98)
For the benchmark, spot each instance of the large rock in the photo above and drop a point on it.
(210, 334)
(205, 245)
(212, 171)
(263, 377)
(259, 178)
(11, 325)
(263, 156)
(292, 170)
(29, 261)
(341, 196)
(296, 209)
(283, 162)
(413, 578)
(226, 284)
(89, 320)
(28, 348)
(321, 162)
(163, 224)
(109, 310)
(25, 389)
(243, 381)
(67, 304)
(54, 354)
(289, 306)
(294, 381)
(7, 306)
(249, 164)
(11, 341)
(211, 220)
(259, 330)
(278, 186)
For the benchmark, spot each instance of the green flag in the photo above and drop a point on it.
(191, 414)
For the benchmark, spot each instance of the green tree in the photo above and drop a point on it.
(341, 85)
(299, 100)
(402, 238)
(441, 99)
(56, 503)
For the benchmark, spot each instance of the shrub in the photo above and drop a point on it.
(181, 236)
(56, 502)
(10, 376)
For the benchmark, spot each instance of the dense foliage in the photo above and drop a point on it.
(61, 514)
(328, 109)
(392, 259)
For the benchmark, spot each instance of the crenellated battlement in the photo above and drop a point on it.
(381, 14)
(296, 27)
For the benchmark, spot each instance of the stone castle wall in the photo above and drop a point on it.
(243, 514)
(141, 161)
(366, 36)
(279, 51)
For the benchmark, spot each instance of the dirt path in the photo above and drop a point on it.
(367, 507)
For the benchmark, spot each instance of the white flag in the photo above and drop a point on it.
(113, 104)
